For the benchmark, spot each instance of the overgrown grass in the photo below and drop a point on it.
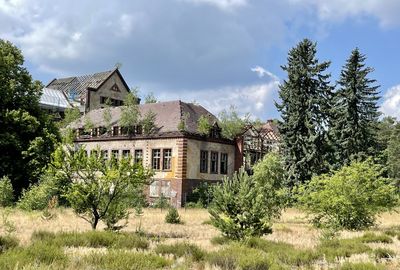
(383, 253)
(361, 266)
(237, 256)
(335, 248)
(118, 260)
(220, 240)
(181, 250)
(375, 238)
(93, 239)
(8, 242)
(36, 254)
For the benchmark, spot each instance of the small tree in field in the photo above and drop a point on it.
(349, 198)
(103, 189)
(244, 206)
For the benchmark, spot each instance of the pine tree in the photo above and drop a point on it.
(355, 112)
(306, 97)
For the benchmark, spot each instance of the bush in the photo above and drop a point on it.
(202, 195)
(349, 198)
(173, 217)
(335, 248)
(244, 206)
(6, 192)
(181, 250)
(8, 242)
(38, 195)
(383, 253)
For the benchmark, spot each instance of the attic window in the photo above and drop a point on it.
(215, 132)
(115, 88)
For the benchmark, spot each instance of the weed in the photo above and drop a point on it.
(173, 217)
(374, 238)
(220, 240)
(335, 248)
(383, 253)
(361, 266)
(7, 242)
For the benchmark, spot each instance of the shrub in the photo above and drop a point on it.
(349, 198)
(181, 250)
(244, 206)
(172, 216)
(161, 202)
(8, 242)
(202, 195)
(383, 253)
(38, 195)
(6, 192)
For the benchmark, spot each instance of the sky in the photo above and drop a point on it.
(217, 53)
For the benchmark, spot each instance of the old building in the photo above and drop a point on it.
(180, 157)
(88, 92)
(255, 142)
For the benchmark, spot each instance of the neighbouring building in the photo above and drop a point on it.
(87, 92)
(181, 158)
(255, 142)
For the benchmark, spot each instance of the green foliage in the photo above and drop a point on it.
(30, 136)
(130, 115)
(201, 196)
(8, 242)
(161, 202)
(305, 109)
(181, 250)
(349, 198)
(87, 124)
(38, 195)
(393, 153)
(203, 125)
(70, 115)
(102, 189)
(182, 125)
(231, 123)
(172, 216)
(335, 248)
(374, 238)
(148, 123)
(107, 117)
(355, 112)
(220, 240)
(6, 192)
(244, 206)
(150, 98)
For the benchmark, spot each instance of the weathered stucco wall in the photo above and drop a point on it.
(105, 91)
(193, 159)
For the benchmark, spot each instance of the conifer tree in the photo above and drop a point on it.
(305, 104)
(355, 112)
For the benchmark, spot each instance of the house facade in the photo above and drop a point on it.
(87, 92)
(180, 157)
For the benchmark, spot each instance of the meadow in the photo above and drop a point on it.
(67, 242)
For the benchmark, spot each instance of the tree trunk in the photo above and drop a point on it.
(95, 220)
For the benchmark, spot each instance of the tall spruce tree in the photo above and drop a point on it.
(306, 95)
(355, 112)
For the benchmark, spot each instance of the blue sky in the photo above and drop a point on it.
(215, 52)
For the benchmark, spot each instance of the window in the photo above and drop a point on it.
(104, 154)
(101, 131)
(155, 159)
(138, 130)
(203, 161)
(93, 153)
(167, 155)
(115, 131)
(215, 133)
(224, 163)
(138, 156)
(115, 154)
(214, 162)
(103, 100)
(126, 153)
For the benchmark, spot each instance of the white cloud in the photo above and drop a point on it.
(386, 11)
(391, 102)
(226, 5)
(261, 72)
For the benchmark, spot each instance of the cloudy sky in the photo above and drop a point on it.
(216, 52)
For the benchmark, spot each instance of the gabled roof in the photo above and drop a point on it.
(168, 116)
(76, 87)
(268, 130)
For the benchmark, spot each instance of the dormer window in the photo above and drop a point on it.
(115, 88)
(215, 132)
